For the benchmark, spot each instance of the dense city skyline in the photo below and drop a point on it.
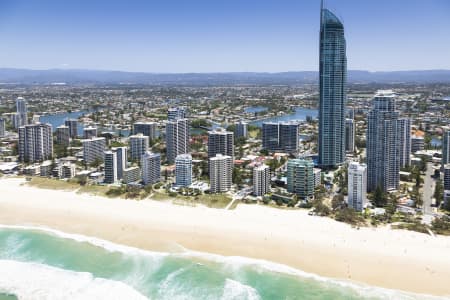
(227, 36)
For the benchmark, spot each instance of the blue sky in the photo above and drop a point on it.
(219, 35)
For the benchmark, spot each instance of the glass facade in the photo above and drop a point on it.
(333, 77)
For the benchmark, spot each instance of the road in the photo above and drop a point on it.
(428, 190)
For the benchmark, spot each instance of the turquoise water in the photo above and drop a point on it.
(46, 264)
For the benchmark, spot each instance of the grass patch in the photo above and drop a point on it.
(213, 200)
(52, 184)
(253, 133)
(96, 190)
(415, 226)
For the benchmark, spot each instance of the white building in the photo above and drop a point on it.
(404, 129)
(151, 167)
(317, 177)
(131, 174)
(183, 170)
(357, 186)
(261, 180)
(122, 160)
(138, 146)
(35, 142)
(175, 113)
(22, 112)
(220, 173)
(93, 149)
(110, 167)
(177, 138)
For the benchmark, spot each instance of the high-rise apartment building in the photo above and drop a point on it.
(349, 135)
(110, 167)
(241, 129)
(261, 180)
(183, 170)
(357, 186)
(220, 141)
(63, 135)
(151, 167)
(300, 178)
(220, 173)
(22, 112)
(177, 138)
(146, 128)
(446, 148)
(73, 127)
(93, 150)
(139, 144)
(35, 142)
(176, 113)
(404, 138)
(447, 177)
(89, 132)
(383, 144)
(122, 160)
(2, 127)
(280, 136)
(332, 90)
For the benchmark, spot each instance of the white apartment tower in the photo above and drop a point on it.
(357, 186)
(177, 138)
(35, 142)
(183, 170)
(22, 112)
(122, 160)
(261, 180)
(93, 149)
(151, 167)
(220, 173)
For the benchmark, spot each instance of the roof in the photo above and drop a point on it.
(330, 19)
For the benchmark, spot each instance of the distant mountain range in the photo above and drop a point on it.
(74, 76)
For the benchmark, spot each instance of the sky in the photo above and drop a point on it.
(171, 36)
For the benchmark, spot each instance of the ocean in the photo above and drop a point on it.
(40, 263)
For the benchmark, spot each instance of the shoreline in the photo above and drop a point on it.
(381, 257)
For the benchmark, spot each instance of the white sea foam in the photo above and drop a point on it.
(107, 245)
(237, 262)
(36, 281)
(234, 290)
(365, 291)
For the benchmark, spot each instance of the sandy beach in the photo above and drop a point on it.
(381, 257)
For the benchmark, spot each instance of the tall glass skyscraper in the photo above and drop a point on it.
(332, 84)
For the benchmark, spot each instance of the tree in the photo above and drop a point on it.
(237, 176)
(337, 201)
(379, 197)
(418, 197)
(439, 192)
